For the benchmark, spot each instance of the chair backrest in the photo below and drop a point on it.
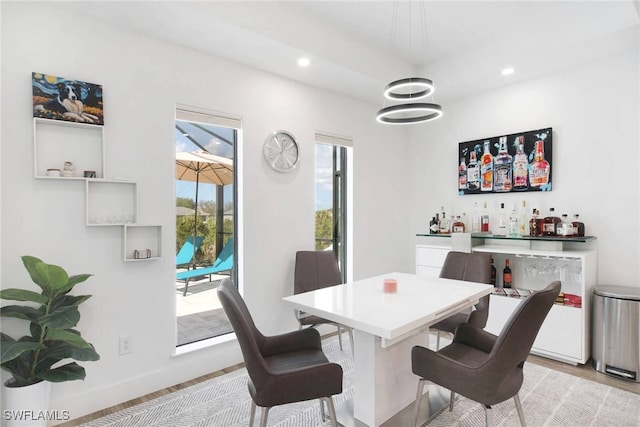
(519, 332)
(224, 261)
(249, 337)
(186, 252)
(315, 270)
(470, 267)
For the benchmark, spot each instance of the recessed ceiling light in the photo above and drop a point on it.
(507, 71)
(304, 62)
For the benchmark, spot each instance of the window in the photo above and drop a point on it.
(332, 185)
(206, 148)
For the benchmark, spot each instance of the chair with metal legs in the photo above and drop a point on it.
(481, 366)
(285, 368)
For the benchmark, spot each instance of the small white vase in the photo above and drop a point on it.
(26, 406)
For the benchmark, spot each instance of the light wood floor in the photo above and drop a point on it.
(585, 371)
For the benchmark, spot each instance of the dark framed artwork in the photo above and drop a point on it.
(517, 162)
(58, 98)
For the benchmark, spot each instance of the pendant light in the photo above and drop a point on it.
(409, 89)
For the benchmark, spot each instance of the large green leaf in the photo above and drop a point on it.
(23, 295)
(63, 318)
(78, 278)
(69, 337)
(68, 372)
(64, 300)
(21, 312)
(51, 278)
(11, 349)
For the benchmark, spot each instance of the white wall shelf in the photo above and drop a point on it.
(110, 202)
(141, 242)
(566, 332)
(59, 141)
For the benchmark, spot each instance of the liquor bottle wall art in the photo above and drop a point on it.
(511, 163)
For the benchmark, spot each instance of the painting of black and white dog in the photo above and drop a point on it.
(63, 99)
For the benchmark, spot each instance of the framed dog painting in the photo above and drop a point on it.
(58, 98)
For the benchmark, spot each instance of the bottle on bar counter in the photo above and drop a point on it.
(443, 225)
(502, 222)
(523, 222)
(458, 225)
(506, 275)
(514, 227)
(535, 224)
(475, 219)
(433, 225)
(493, 274)
(565, 228)
(551, 223)
(578, 226)
(484, 219)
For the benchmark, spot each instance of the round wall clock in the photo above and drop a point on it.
(281, 151)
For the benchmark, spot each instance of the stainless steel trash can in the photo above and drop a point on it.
(616, 331)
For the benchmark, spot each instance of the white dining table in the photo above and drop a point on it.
(385, 327)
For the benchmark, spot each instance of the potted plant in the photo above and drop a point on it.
(35, 359)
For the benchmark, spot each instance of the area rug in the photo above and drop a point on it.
(549, 398)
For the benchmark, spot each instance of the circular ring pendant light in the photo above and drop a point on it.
(409, 113)
(396, 90)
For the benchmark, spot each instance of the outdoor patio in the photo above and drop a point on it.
(199, 313)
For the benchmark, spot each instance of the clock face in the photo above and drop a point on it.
(281, 151)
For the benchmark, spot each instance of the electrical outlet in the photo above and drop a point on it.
(126, 344)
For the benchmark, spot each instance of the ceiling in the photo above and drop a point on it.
(350, 45)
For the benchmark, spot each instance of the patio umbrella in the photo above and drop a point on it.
(200, 166)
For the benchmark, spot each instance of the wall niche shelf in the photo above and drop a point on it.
(110, 202)
(141, 242)
(58, 141)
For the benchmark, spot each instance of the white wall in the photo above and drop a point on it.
(143, 80)
(593, 109)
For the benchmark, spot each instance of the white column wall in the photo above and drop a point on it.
(143, 79)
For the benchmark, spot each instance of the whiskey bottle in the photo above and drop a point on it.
(578, 226)
(462, 175)
(535, 224)
(458, 225)
(484, 219)
(551, 222)
(503, 171)
(520, 167)
(473, 173)
(539, 172)
(486, 169)
(506, 275)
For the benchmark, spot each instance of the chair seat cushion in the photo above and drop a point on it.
(297, 376)
(465, 354)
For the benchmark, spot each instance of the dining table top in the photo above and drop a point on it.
(363, 305)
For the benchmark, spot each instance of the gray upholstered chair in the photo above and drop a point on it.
(315, 270)
(284, 368)
(481, 366)
(471, 267)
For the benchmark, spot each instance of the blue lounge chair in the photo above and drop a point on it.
(185, 255)
(224, 262)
